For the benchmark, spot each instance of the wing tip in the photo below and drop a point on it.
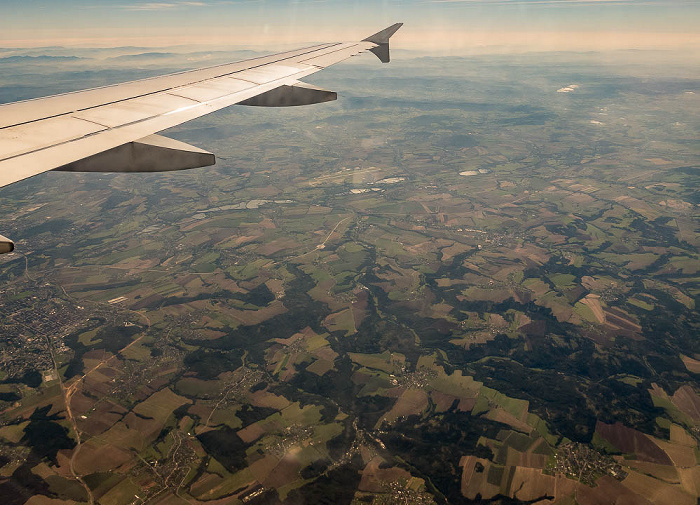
(383, 36)
(381, 39)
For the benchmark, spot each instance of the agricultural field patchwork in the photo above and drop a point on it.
(464, 290)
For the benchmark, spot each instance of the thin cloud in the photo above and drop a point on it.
(159, 6)
(567, 2)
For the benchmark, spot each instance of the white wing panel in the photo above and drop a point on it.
(160, 103)
(136, 109)
(270, 73)
(43, 134)
(25, 138)
(338, 53)
(42, 158)
(211, 90)
(67, 131)
(33, 110)
(40, 108)
(119, 113)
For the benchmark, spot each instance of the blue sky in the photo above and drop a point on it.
(280, 22)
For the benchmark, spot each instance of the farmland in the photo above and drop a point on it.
(478, 294)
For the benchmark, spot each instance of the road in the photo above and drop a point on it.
(69, 391)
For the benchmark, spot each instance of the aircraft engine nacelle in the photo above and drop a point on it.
(149, 154)
(295, 95)
(6, 245)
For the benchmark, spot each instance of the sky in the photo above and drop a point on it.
(451, 26)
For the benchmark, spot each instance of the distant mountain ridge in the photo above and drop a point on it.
(39, 59)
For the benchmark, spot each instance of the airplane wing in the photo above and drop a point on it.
(111, 129)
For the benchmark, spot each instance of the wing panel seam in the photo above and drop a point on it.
(181, 96)
(91, 122)
(330, 52)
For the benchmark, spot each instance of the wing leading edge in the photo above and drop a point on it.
(111, 129)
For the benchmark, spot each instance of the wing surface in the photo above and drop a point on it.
(111, 128)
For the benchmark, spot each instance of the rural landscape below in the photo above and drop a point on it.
(469, 280)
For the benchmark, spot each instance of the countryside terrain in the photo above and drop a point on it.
(470, 280)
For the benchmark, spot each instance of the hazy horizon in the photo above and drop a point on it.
(438, 26)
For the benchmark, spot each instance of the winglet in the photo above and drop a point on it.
(384, 36)
(382, 41)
